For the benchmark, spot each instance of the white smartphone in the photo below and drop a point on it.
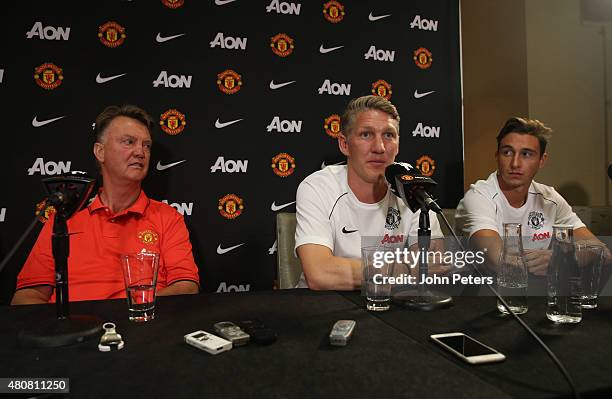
(208, 342)
(467, 348)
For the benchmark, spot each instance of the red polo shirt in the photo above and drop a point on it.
(98, 238)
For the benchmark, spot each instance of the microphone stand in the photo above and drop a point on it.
(424, 299)
(65, 329)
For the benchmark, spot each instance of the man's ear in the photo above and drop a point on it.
(543, 159)
(98, 150)
(343, 145)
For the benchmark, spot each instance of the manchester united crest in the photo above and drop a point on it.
(282, 45)
(535, 220)
(111, 34)
(44, 216)
(426, 165)
(382, 88)
(333, 126)
(422, 58)
(393, 219)
(229, 81)
(230, 206)
(333, 11)
(148, 236)
(48, 76)
(283, 164)
(173, 3)
(172, 122)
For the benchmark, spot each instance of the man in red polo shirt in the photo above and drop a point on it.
(120, 220)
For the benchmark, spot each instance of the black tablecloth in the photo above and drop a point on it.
(389, 356)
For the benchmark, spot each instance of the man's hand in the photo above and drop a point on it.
(32, 295)
(537, 261)
(179, 288)
(324, 271)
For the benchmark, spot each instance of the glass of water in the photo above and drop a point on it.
(140, 277)
(376, 271)
(590, 260)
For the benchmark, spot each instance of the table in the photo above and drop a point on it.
(389, 356)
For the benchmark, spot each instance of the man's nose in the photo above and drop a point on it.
(515, 162)
(139, 150)
(378, 146)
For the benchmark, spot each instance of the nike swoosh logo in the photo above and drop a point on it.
(275, 207)
(345, 231)
(222, 251)
(37, 123)
(377, 17)
(221, 125)
(100, 79)
(162, 39)
(223, 2)
(164, 167)
(279, 85)
(324, 50)
(419, 95)
(323, 165)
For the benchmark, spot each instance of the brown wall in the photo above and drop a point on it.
(494, 77)
(539, 59)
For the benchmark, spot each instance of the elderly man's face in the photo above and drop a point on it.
(371, 146)
(125, 150)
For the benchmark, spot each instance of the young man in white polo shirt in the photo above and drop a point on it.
(338, 205)
(509, 195)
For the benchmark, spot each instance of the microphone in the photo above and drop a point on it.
(68, 193)
(411, 186)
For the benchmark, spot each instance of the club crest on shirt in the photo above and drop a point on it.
(393, 219)
(535, 220)
(147, 237)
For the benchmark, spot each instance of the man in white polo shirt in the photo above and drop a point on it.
(338, 205)
(509, 195)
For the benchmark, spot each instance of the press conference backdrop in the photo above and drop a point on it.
(247, 95)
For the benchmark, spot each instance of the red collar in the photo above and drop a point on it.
(138, 206)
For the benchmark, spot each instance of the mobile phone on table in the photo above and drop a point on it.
(467, 348)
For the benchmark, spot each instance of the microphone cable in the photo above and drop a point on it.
(25, 235)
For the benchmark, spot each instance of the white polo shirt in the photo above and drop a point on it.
(329, 214)
(484, 206)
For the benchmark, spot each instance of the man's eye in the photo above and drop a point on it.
(147, 146)
(526, 154)
(128, 141)
(390, 135)
(507, 152)
(365, 134)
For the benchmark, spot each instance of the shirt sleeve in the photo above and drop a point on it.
(564, 212)
(39, 268)
(313, 224)
(176, 251)
(476, 212)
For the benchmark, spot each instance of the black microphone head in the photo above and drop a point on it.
(69, 192)
(409, 184)
(397, 169)
(407, 175)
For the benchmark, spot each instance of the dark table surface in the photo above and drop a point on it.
(390, 354)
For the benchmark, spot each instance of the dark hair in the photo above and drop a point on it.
(113, 111)
(532, 127)
(360, 104)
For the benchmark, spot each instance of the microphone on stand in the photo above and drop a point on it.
(67, 193)
(413, 188)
